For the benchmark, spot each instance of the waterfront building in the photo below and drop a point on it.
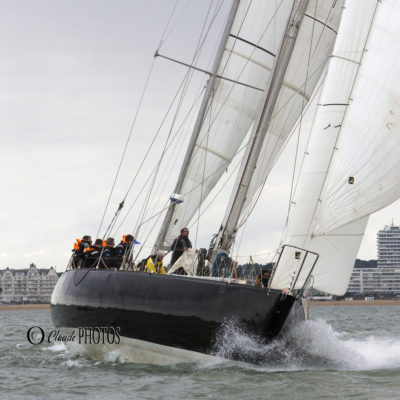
(389, 247)
(27, 285)
(376, 281)
(384, 277)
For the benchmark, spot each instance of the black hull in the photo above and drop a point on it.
(168, 310)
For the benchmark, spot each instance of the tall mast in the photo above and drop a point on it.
(197, 127)
(228, 228)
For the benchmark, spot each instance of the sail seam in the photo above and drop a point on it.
(216, 153)
(291, 87)
(249, 59)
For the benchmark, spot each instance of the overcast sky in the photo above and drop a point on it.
(71, 77)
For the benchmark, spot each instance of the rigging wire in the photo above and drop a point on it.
(322, 64)
(344, 115)
(202, 182)
(272, 19)
(195, 187)
(186, 80)
(196, 55)
(177, 136)
(126, 146)
(217, 10)
(131, 132)
(310, 57)
(165, 34)
(202, 88)
(246, 63)
(254, 202)
(198, 50)
(222, 187)
(240, 73)
(288, 101)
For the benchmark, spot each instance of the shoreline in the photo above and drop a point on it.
(320, 303)
(335, 303)
(40, 306)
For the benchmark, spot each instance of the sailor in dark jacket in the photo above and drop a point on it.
(108, 257)
(180, 244)
(92, 254)
(122, 251)
(79, 247)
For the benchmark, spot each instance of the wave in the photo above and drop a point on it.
(308, 345)
(312, 344)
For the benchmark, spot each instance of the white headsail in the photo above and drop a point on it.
(352, 167)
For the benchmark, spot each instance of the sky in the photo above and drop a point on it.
(71, 79)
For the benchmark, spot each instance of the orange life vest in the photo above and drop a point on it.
(77, 243)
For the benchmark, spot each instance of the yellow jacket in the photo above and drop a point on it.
(152, 269)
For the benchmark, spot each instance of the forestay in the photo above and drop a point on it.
(355, 128)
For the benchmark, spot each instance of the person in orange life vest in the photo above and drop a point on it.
(79, 247)
(108, 257)
(123, 249)
(92, 254)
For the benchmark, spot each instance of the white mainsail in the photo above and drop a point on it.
(351, 166)
(234, 108)
(254, 39)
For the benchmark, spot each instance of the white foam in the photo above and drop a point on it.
(377, 353)
(56, 347)
(312, 345)
(371, 352)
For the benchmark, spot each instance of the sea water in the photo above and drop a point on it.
(343, 352)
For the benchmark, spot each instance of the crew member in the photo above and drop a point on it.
(262, 278)
(156, 266)
(108, 257)
(180, 244)
(122, 251)
(92, 254)
(223, 265)
(79, 247)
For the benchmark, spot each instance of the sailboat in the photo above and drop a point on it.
(327, 69)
